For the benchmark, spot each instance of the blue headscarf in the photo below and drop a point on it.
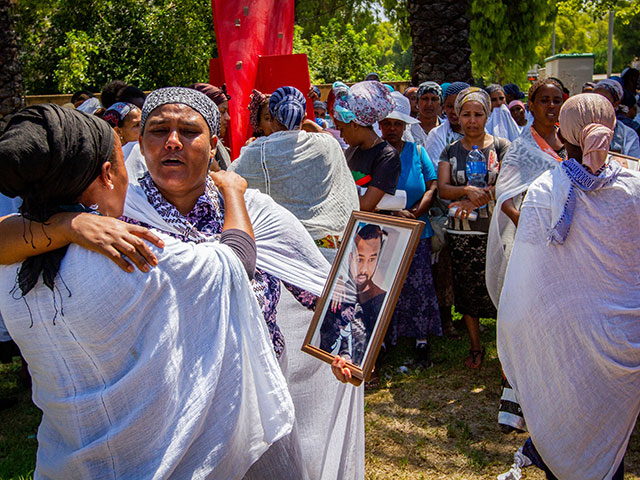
(288, 105)
(455, 88)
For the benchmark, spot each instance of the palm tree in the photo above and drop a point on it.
(10, 76)
(440, 33)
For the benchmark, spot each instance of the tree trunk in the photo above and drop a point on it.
(10, 76)
(440, 33)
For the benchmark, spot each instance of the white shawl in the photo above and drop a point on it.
(523, 163)
(168, 374)
(501, 124)
(284, 247)
(307, 174)
(569, 324)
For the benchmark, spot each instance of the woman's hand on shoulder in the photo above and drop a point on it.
(340, 369)
(228, 182)
(121, 242)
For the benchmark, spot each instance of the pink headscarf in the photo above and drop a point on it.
(587, 120)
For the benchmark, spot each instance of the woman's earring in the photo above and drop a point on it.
(111, 187)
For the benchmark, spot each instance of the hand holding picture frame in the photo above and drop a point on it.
(362, 290)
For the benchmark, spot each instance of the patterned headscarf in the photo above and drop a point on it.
(430, 87)
(365, 103)
(257, 100)
(288, 105)
(613, 87)
(185, 96)
(116, 113)
(586, 120)
(473, 94)
(455, 88)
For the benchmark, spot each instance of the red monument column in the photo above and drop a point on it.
(255, 42)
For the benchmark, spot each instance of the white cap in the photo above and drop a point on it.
(402, 109)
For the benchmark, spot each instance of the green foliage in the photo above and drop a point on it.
(340, 52)
(503, 37)
(581, 33)
(68, 44)
(72, 71)
(312, 15)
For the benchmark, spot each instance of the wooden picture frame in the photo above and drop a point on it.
(343, 322)
(625, 161)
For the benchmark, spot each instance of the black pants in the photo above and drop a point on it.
(530, 451)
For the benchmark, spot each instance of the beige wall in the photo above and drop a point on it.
(62, 99)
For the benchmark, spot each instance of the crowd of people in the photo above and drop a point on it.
(160, 290)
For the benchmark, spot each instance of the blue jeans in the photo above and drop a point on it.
(530, 451)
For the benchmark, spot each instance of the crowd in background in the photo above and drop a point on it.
(467, 159)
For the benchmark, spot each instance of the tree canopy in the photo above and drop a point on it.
(67, 45)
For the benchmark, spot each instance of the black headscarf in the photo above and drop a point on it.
(49, 155)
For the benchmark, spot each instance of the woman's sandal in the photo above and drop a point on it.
(475, 359)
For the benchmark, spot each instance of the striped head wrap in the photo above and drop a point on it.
(288, 105)
(430, 87)
(185, 96)
(473, 94)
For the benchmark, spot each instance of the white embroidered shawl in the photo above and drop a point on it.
(569, 324)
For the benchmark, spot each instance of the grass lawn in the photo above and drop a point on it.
(433, 424)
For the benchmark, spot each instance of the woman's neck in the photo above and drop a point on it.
(399, 145)
(184, 201)
(549, 133)
(479, 140)
(544, 129)
(428, 124)
(369, 139)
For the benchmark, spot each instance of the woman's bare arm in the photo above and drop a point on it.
(21, 238)
(369, 201)
(510, 210)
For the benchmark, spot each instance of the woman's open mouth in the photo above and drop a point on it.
(172, 162)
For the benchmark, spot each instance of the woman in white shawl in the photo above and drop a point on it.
(537, 150)
(304, 172)
(165, 375)
(568, 319)
(164, 199)
(500, 123)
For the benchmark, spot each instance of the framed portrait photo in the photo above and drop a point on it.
(625, 161)
(362, 290)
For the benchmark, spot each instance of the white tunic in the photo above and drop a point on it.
(569, 324)
(169, 374)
